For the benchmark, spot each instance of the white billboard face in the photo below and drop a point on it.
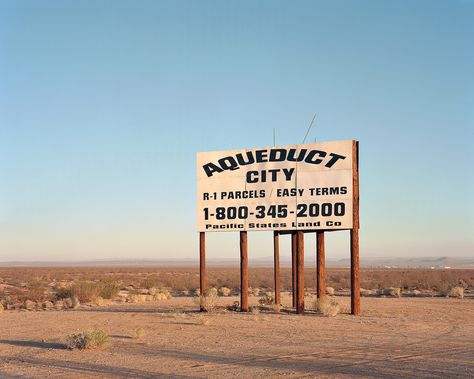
(294, 187)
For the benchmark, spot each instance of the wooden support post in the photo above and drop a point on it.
(320, 266)
(300, 273)
(355, 280)
(202, 265)
(276, 268)
(293, 266)
(244, 274)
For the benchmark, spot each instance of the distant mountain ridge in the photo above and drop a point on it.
(375, 262)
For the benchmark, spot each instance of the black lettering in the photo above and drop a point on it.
(261, 156)
(211, 168)
(334, 159)
(277, 155)
(288, 173)
(274, 173)
(228, 163)
(252, 177)
(291, 155)
(312, 154)
(250, 158)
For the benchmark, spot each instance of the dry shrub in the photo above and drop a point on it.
(36, 290)
(72, 302)
(456, 292)
(266, 300)
(364, 292)
(203, 321)
(208, 301)
(394, 292)
(224, 291)
(327, 306)
(139, 333)
(90, 291)
(84, 291)
(330, 291)
(235, 307)
(442, 287)
(159, 296)
(255, 310)
(166, 293)
(88, 339)
(149, 283)
(255, 291)
(109, 289)
(276, 308)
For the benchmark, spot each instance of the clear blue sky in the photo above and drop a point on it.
(103, 105)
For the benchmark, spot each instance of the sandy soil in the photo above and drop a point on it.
(406, 337)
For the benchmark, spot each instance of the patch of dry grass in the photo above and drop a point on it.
(266, 300)
(88, 339)
(208, 302)
(326, 306)
(90, 291)
(139, 333)
(456, 292)
(255, 310)
(203, 321)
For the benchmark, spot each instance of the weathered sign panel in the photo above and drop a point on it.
(294, 187)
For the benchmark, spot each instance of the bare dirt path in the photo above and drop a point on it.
(406, 337)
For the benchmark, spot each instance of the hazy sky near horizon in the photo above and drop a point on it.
(104, 104)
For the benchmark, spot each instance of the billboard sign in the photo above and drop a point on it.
(294, 187)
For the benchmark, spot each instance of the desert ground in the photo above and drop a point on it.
(406, 336)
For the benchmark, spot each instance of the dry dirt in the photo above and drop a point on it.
(404, 337)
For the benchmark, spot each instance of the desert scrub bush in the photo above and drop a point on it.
(394, 292)
(266, 300)
(235, 307)
(84, 291)
(108, 289)
(139, 333)
(149, 283)
(88, 339)
(224, 291)
(90, 291)
(203, 321)
(330, 291)
(255, 291)
(255, 310)
(166, 293)
(276, 308)
(326, 306)
(456, 292)
(36, 290)
(208, 301)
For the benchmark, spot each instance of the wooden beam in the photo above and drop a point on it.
(276, 266)
(355, 279)
(202, 265)
(244, 274)
(300, 273)
(320, 266)
(293, 266)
